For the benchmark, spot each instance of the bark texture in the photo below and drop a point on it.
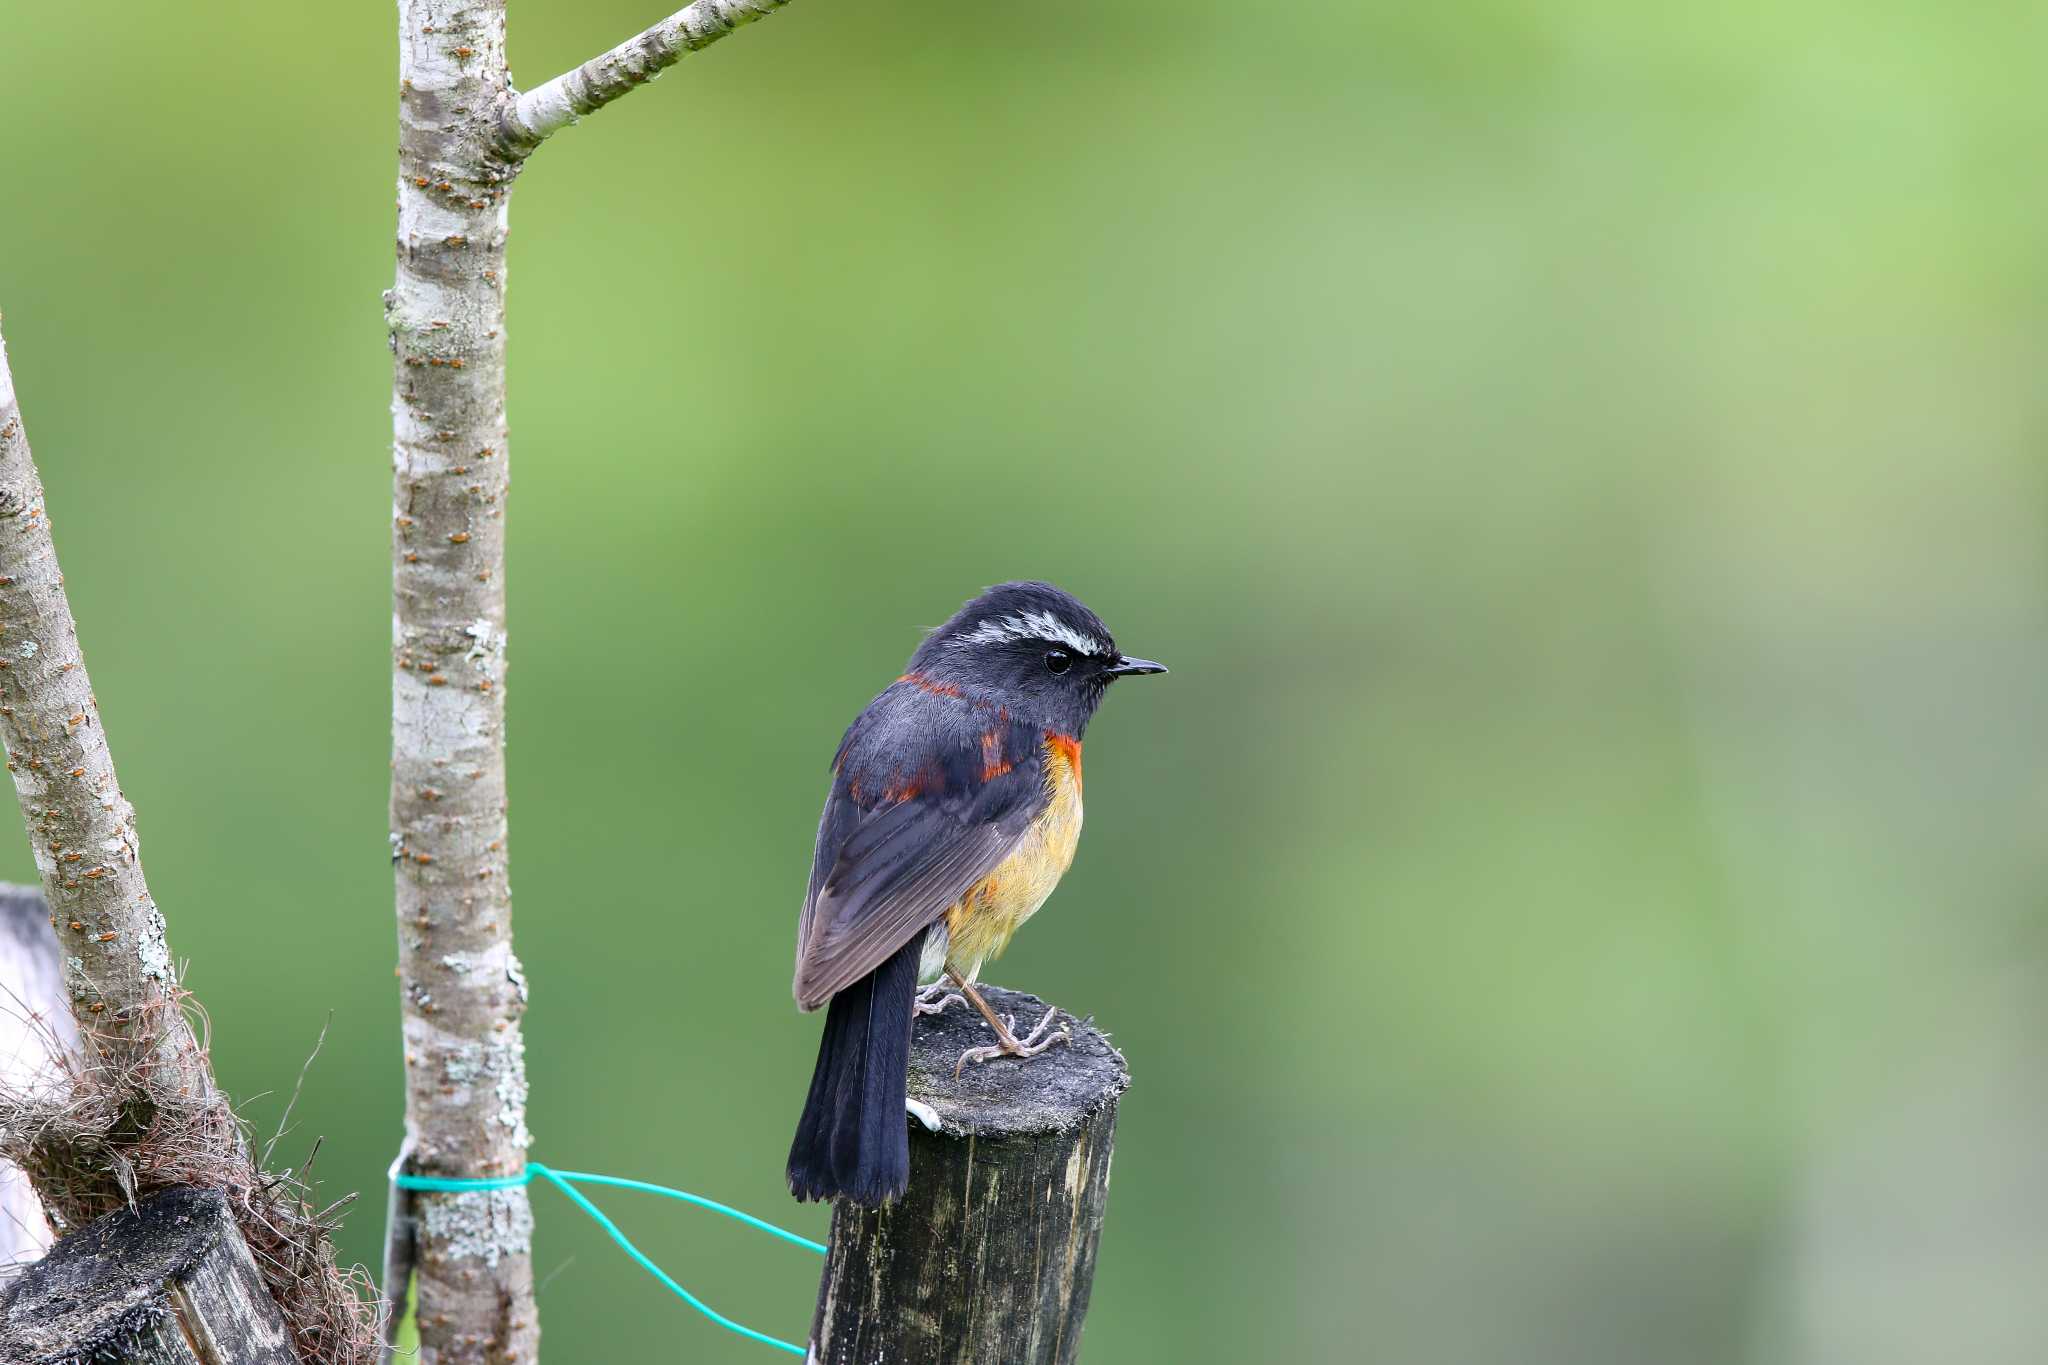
(462, 989)
(463, 134)
(136, 1110)
(546, 109)
(989, 1257)
(171, 1283)
(117, 972)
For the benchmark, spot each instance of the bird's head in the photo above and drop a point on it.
(1034, 649)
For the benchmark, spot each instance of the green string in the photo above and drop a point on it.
(562, 1180)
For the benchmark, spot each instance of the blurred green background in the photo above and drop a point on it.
(1578, 897)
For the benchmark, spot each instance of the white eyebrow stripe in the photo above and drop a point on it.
(1032, 625)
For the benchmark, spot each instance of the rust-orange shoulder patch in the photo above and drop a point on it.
(993, 764)
(942, 689)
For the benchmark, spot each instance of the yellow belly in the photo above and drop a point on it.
(979, 925)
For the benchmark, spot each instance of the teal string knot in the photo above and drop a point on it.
(566, 1182)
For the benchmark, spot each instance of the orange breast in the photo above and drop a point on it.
(979, 925)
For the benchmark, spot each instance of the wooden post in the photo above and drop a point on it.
(988, 1258)
(171, 1283)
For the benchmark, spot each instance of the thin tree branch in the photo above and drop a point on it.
(540, 112)
(140, 1111)
(118, 970)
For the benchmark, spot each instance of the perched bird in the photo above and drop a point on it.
(954, 811)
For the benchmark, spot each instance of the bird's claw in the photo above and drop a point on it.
(1007, 1044)
(935, 999)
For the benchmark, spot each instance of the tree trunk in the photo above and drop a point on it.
(461, 987)
(989, 1256)
(171, 1283)
(463, 134)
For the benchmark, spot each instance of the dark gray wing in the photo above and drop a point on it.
(929, 793)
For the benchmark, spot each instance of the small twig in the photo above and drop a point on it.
(326, 1218)
(540, 112)
(286, 1118)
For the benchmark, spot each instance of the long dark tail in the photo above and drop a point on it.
(852, 1140)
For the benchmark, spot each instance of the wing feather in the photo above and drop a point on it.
(928, 796)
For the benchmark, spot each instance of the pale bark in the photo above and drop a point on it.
(117, 974)
(142, 1109)
(539, 112)
(463, 132)
(462, 993)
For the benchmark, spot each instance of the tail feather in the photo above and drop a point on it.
(852, 1141)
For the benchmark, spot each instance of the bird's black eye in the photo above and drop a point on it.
(1058, 660)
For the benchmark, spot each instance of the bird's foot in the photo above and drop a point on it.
(933, 999)
(1007, 1044)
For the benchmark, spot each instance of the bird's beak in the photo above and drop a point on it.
(1125, 666)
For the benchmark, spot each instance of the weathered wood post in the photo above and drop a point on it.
(186, 1293)
(988, 1258)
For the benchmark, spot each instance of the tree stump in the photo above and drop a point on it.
(171, 1283)
(988, 1258)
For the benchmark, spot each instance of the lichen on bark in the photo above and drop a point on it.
(463, 134)
(461, 990)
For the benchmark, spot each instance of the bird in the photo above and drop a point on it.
(954, 810)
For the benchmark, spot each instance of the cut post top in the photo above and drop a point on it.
(71, 1291)
(1005, 1097)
